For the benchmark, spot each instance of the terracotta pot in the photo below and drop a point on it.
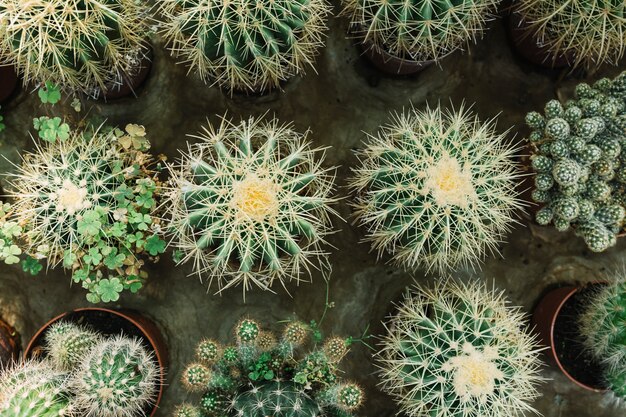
(131, 83)
(134, 325)
(392, 64)
(8, 82)
(545, 317)
(528, 46)
(9, 344)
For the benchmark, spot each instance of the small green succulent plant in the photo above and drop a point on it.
(459, 350)
(249, 205)
(587, 32)
(418, 30)
(86, 200)
(436, 188)
(245, 45)
(263, 375)
(603, 327)
(89, 46)
(579, 164)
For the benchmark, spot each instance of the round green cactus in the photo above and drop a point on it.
(187, 410)
(588, 32)
(67, 344)
(34, 389)
(457, 350)
(275, 398)
(87, 201)
(84, 45)
(118, 378)
(437, 188)
(249, 205)
(418, 30)
(245, 45)
(579, 165)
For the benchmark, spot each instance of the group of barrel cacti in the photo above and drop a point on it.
(95, 46)
(82, 373)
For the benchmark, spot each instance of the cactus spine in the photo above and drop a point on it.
(68, 344)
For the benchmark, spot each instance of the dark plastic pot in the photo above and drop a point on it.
(529, 48)
(131, 83)
(9, 344)
(552, 315)
(112, 322)
(8, 82)
(391, 64)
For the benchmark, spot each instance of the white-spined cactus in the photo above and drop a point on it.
(459, 350)
(245, 45)
(67, 344)
(250, 204)
(81, 45)
(436, 188)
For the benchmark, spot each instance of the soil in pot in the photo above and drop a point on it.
(8, 82)
(568, 344)
(9, 344)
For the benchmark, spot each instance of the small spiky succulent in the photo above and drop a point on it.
(257, 379)
(245, 45)
(436, 188)
(580, 167)
(81, 45)
(589, 32)
(603, 327)
(249, 205)
(67, 346)
(86, 200)
(459, 350)
(418, 30)
(34, 389)
(117, 378)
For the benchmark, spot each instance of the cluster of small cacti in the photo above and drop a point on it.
(263, 375)
(418, 30)
(89, 46)
(84, 373)
(245, 45)
(459, 350)
(437, 188)
(86, 200)
(587, 32)
(603, 331)
(249, 204)
(580, 167)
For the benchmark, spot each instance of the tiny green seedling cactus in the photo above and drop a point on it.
(587, 32)
(418, 30)
(249, 205)
(86, 46)
(266, 375)
(245, 45)
(459, 350)
(436, 188)
(580, 167)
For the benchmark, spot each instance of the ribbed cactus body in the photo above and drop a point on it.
(118, 378)
(33, 389)
(275, 398)
(436, 188)
(67, 344)
(243, 44)
(459, 350)
(78, 44)
(416, 29)
(249, 204)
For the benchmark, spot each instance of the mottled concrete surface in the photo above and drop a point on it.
(345, 98)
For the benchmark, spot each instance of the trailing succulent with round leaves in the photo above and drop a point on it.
(459, 350)
(88, 46)
(579, 164)
(245, 45)
(587, 32)
(436, 188)
(34, 389)
(86, 200)
(249, 205)
(418, 30)
(603, 327)
(263, 375)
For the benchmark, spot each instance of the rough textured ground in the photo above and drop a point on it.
(345, 98)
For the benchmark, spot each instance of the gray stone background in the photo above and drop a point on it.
(345, 98)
